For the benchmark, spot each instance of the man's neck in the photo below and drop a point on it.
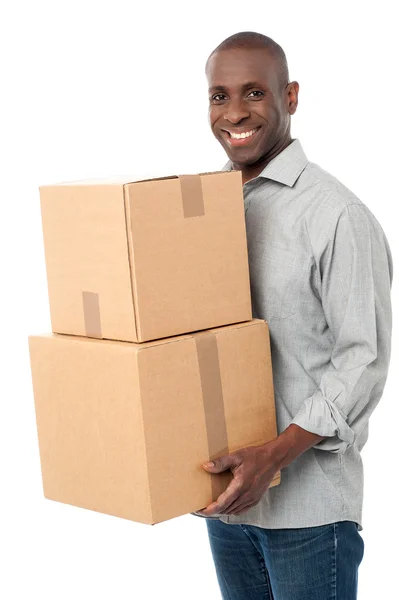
(251, 171)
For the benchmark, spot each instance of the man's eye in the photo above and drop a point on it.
(256, 94)
(218, 97)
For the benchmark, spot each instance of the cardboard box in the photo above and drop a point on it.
(146, 260)
(124, 428)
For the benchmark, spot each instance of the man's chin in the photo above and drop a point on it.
(241, 160)
(240, 157)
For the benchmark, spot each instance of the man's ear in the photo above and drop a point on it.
(292, 91)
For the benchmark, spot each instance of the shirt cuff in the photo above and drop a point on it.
(323, 417)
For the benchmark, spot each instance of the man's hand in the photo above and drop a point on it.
(253, 471)
(254, 468)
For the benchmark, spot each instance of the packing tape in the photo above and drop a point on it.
(215, 417)
(91, 311)
(192, 197)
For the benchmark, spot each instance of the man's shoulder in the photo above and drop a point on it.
(330, 202)
(326, 193)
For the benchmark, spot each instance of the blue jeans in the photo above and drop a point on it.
(312, 563)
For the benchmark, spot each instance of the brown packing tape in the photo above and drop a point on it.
(215, 418)
(91, 311)
(192, 197)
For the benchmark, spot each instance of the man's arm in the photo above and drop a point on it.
(355, 278)
(291, 443)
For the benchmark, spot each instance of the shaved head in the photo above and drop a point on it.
(251, 40)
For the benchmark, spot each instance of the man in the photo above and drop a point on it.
(321, 273)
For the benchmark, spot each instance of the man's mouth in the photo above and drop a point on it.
(241, 138)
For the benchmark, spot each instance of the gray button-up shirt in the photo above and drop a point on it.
(321, 273)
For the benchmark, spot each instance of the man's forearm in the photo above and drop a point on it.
(290, 444)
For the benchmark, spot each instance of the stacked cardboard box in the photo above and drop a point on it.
(154, 365)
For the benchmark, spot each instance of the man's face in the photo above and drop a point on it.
(250, 106)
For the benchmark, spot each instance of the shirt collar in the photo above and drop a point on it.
(286, 167)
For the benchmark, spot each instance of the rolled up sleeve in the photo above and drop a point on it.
(355, 277)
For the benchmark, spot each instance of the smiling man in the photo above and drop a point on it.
(321, 274)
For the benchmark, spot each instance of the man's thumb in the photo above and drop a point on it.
(218, 465)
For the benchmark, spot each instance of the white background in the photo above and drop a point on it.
(92, 89)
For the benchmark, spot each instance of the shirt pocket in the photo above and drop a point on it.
(279, 275)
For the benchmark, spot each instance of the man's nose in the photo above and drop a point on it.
(236, 111)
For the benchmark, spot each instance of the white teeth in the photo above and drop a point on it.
(241, 136)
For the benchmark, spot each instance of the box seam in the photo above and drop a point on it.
(131, 264)
(144, 437)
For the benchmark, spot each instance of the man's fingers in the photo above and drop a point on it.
(210, 510)
(224, 500)
(231, 494)
(239, 503)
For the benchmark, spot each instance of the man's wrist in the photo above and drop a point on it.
(290, 444)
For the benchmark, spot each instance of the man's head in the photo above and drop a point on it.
(250, 95)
